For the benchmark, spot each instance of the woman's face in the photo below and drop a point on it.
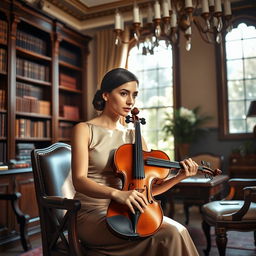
(121, 100)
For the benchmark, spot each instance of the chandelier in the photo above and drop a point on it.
(153, 22)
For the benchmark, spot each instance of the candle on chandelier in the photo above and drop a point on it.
(165, 7)
(205, 6)
(217, 6)
(118, 23)
(227, 8)
(136, 15)
(150, 14)
(157, 10)
(188, 3)
(169, 5)
(211, 2)
(174, 20)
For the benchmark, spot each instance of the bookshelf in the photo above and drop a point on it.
(3, 85)
(43, 67)
(70, 88)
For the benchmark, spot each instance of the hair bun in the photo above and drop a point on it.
(98, 101)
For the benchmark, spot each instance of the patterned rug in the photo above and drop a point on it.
(33, 252)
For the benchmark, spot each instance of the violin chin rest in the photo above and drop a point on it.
(121, 225)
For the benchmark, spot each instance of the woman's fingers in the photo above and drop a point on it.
(136, 200)
(190, 167)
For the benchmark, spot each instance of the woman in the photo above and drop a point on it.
(93, 146)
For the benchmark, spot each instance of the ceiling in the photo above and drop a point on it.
(89, 9)
(84, 15)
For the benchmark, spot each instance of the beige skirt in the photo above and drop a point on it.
(172, 239)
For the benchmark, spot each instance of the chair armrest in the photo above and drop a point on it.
(11, 197)
(250, 193)
(22, 218)
(238, 184)
(249, 196)
(57, 202)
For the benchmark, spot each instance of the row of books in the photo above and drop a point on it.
(3, 120)
(33, 105)
(65, 130)
(32, 70)
(26, 128)
(67, 81)
(3, 32)
(70, 112)
(3, 60)
(24, 89)
(31, 43)
(69, 57)
(2, 99)
(23, 151)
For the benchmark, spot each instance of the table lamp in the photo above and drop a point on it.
(252, 113)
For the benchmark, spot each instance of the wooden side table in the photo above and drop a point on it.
(197, 190)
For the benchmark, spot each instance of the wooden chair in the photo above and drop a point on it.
(216, 161)
(54, 191)
(22, 218)
(230, 214)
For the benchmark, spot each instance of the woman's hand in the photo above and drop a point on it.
(189, 169)
(132, 198)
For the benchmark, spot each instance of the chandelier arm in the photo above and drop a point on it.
(204, 35)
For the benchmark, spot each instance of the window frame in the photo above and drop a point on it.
(222, 79)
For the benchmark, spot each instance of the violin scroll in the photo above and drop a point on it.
(207, 170)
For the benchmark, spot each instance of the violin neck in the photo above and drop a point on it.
(138, 162)
(166, 163)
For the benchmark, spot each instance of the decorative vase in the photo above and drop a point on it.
(183, 150)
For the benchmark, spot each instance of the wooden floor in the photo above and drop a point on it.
(195, 221)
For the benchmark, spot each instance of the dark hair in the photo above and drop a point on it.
(112, 79)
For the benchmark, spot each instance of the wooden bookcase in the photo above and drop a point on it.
(42, 95)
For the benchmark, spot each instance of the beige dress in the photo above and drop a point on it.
(172, 239)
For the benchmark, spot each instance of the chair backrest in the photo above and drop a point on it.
(52, 170)
(216, 161)
(52, 177)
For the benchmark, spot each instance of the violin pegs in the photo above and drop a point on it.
(203, 162)
(143, 121)
(208, 164)
(128, 119)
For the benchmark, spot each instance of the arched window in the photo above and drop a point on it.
(238, 79)
(155, 74)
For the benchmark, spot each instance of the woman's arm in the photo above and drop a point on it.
(84, 185)
(189, 169)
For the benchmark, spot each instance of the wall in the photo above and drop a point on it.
(198, 77)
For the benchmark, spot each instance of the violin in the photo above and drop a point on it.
(139, 170)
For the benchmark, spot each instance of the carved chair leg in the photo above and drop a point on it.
(206, 228)
(22, 219)
(221, 240)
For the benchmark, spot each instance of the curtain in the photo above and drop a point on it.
(109, 55)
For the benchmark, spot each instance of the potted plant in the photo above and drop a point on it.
(185, 126)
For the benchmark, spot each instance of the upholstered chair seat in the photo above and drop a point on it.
(223, 210)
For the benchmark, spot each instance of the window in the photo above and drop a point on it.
(240, 87)
(155, 74)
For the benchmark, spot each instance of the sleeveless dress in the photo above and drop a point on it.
(172, 239)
